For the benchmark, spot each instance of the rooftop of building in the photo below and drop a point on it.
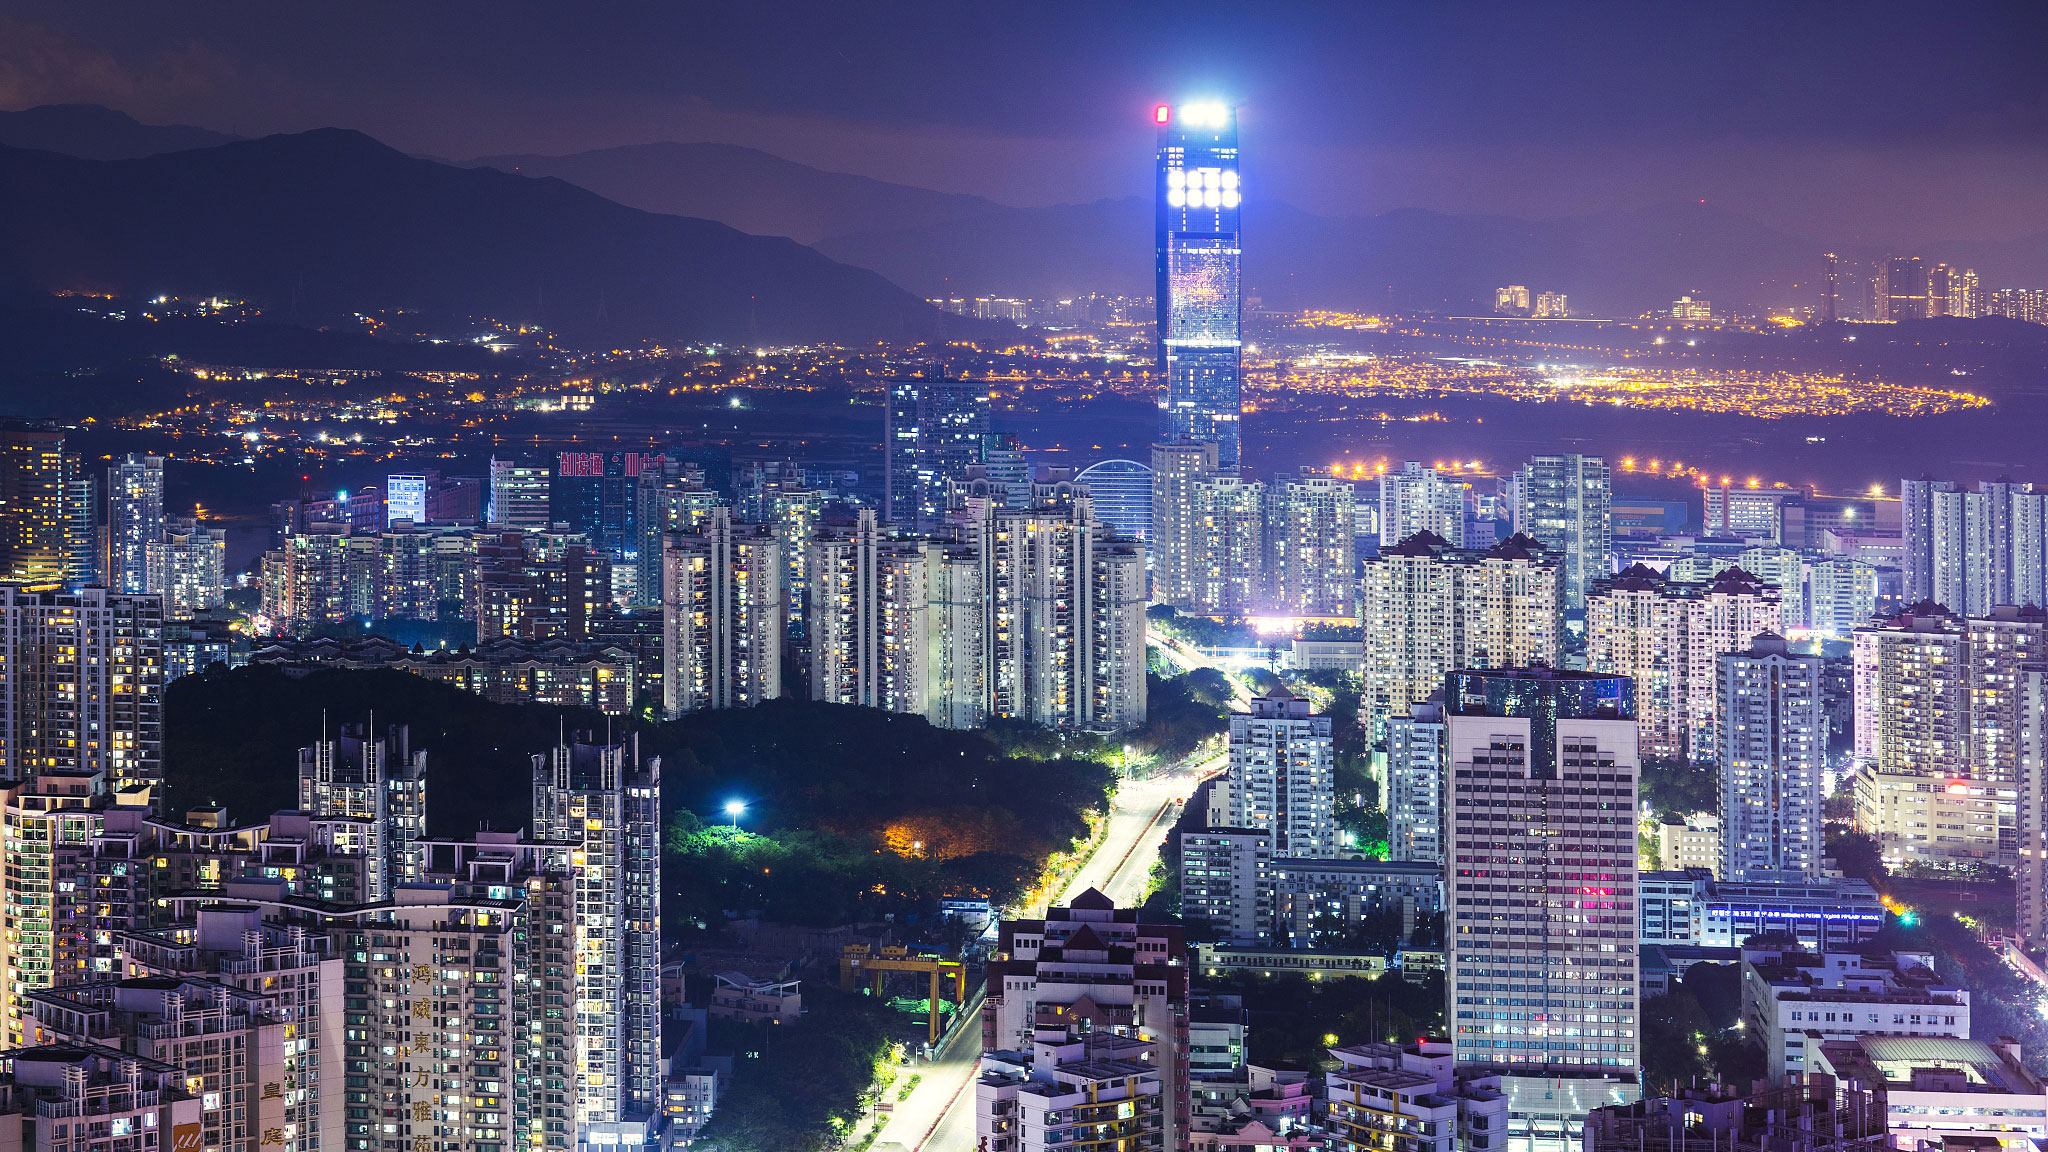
(1934, 1064)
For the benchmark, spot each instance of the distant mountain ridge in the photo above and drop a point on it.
(316, 225)
(94, 132)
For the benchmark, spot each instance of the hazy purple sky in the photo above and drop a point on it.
(1844, 122)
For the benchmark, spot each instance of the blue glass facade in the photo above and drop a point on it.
(1200, 315)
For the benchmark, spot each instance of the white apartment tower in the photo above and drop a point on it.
(135, 520)
(1230, 564)
(1066, 629)
(605, 801)
(187, 566)
(1428, 608)
(1665, 635)
(1773, 736)
(1311, 546)
(1415, 783)
(1542, 975)
(1418, 499)
(1177, 469)
(897, 625)
(722, 616)
(1283, 775)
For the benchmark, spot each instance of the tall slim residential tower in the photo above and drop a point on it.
(1200, 345)
(605, 801)
(1830, 289)
(379, 782)
(1415, 783)
(1417, 499)
(935, 429)
(1311, 546)
(1283, 775)
(722, 616)
(187, 566)
(1541, 877)
(35, 525)
(135, 520)
(1230, 545)
(1773, 737)
(1566, 503)
(1178, 470)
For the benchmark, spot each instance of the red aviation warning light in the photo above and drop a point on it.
(1162, 114)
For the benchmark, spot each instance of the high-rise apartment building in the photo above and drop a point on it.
(1902, 290)
(1415, 783)
(1841, 596)
(1418, 499)
(135, 520)
(1512, 300)
(1551, 306)
(36, 525)
(898, 625)
(535, 585)
(605, 802)
(1830, 289)
(1178, 470)
(1565, 502)
(1066, 626)
(596, 495)
(1230, 564)
(1965, 294)
(1197, 193)
(1094, 967)
(519, 495)
(1912, 690)
(1224, 882)
(379, 785)
(1542, 972)
(1773, 736)
(1665, 636)
(81, 683)
(1282, 775)
(2001, 644)
(1971, 551)
(1428, 608)
(187, 566)
(1311, 547)
(671, 497)
(723, 616)
(935, 430)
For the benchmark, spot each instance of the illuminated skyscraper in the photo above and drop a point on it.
(406, 498)
(1831, 290)
(35, 533)
(135, 520)
(935, 429)
(1198, 295)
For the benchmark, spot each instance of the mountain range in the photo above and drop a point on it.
(317, 225)
(651, 273)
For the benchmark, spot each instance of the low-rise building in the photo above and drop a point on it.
(1939, 821)
(1702, 1118)
(1692, 908)
(1943, 1091)
(1344, 892)
(1671, 905)
(750, 1001)
(1409, 1096)
(1693, 844)
(1096, 1087)
(1794, 1000)
(1316, 964)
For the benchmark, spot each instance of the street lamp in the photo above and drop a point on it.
(733, 808)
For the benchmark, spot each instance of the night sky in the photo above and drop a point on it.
(1847, 123)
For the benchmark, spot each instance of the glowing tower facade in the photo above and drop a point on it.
(1200, 318)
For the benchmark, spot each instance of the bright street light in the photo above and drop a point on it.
(733, 808)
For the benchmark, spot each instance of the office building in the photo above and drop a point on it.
(408, 496)
(1121, 491)
(1565, 503)
(187, 566)
(1418, 499)
(1230, 564)
(1414, 1096)
(1794, 1000)
(723, 616)
(1428, 607)
(1311, 547)
(605, 802)
(1542, 973)
(1224, 883)
(1841, 596)
(935, 430)
(1773, 737)
(1946, 1091)
(1197, 193)
(1282, 775)
(1066, 622)
(1126, 977)
(519, 495)
(135, 520)
(81, 683)
(898, 625)
(1665, 636)
(378, 784)
(36, 520)
(1415, 783)
(597, 495)
(1178, 470)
